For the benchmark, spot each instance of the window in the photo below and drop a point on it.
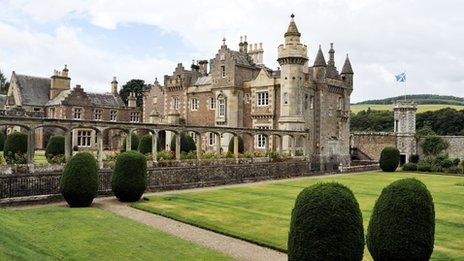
(51, 113)
(223, 71)
(113, 115)
(37, 109)
(306, 101)
(212, 139)
(194, 104)
(285, 98)
(194, 136)
(261, 139)
(155, 100)
(340, 103)
(134, 117)
(311, 102)
(262, 99)
(97, 114)
(222, 107)
(212, 103)
(247, 97)
(84, 138)
(77, 113)
(175, 103)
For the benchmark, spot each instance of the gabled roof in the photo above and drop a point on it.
(34, 91)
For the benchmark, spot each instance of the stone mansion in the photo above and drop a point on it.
(233, 89)
(236, 89)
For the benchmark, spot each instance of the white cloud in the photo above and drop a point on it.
(383, 37)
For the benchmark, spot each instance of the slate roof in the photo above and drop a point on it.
(105, 100)
(34, 91)
(204, 80)
(320, 60)
(347, 66)
(292, 29)
(240, 58)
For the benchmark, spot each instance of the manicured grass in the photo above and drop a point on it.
(261, 212)
(51, 233)
(39, 156)
(420, 108)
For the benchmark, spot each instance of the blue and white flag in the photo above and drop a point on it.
(401, 77)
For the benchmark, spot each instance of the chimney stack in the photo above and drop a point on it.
(114, 86)
(131, 100)
(203, 64)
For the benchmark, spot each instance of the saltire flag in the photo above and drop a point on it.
(401, 77)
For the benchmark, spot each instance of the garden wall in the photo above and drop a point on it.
(160, 178)
(370, 144)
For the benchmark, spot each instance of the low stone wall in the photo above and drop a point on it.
(360, 168)
(159, 178)
(371, 144)
(455, 149)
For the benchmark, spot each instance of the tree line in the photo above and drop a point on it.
(446, 121)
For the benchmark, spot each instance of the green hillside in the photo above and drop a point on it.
(420, 99)
(355, 108)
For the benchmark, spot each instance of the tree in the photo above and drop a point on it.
(372, 120)
(4, 84)
(134, 85)
(434, 145)
(446, 121)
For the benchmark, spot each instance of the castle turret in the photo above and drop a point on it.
(347, 72)
(331, 61)
(60, 81)
(319, 66)
(292, 58)
(114, 86)
(405, 128)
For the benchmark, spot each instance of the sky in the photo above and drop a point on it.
(99, 39)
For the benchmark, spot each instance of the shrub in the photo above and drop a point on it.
(274, 156)
(57, 159)
(414, 158)
(187, 143)
(165, 155)
(15, 148)
(456, 161)
(189, 155)
(241, 146)
(436, 168)
(79, 183)
(129, 179)
(134, 143)
(389, 159)
(55, 147)
(454, 170)
(447, 163)
(145, 144)
(248, 154)
(2, 140)
(75, 148)
(402, 225)
(410, 166)
(424, 166)
(210, 155)
(434, 145)
(2, 160)
(326, 224)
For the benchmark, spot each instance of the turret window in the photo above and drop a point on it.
(285, 98)
(262, 99)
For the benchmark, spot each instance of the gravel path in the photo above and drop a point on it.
(236, 248)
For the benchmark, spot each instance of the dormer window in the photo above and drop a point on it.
(77, 113)
(223, 71)
(97, 114)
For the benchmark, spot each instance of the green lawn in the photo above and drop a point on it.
(420, 108)
(261, 212)
(51, 233)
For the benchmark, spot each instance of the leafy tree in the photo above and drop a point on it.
(4, 84)
(372, 120)
(134, 85)
(434, 145)
(446, 121)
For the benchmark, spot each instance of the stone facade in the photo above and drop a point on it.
(235, 89)
(53, 98)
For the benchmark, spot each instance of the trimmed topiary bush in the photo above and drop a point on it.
(79, 182)
(134, 143)
(2, 140)
(402, 225)
(326, 224)
(410, 166)
(145, 145)
(15, 147)
(241, 146)
(389, 159)
(129, 179)
(187, 143)
(55, 147)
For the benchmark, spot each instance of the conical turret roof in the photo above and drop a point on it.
(347, 66)
(292, 29)
(320, 60)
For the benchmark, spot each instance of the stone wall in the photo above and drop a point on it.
(455, 149)
(160, 178)
(371, 144)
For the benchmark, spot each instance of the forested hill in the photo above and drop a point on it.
(420, 99)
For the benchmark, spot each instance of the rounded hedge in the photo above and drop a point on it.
(134, 143)
(402, 225)
(16, 142)
(389, 159)
(241, 146)
(410, 166)
(145, 145)
(55, 147)
(129, 179)
(187, 143)
(2, 140)
(79, 182)
(326, 224)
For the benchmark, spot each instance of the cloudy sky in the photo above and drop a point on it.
(98, 39)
